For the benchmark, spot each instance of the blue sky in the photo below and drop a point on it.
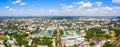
(59, 7)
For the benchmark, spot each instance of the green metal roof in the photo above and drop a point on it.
(71, 38)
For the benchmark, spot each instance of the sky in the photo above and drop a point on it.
(59, 7)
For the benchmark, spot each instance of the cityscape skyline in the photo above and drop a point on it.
(59, 23)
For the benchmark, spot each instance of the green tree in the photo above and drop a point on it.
(61, 32)
(43, 41)
(94, 32)
(107, 36)
(107, 44)
(92, 43)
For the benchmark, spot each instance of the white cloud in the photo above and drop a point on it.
(79, 3)
(11, 9)
(83, 4)
(100, 11)
(80, 10)
(108, 8)
(53, 11)
(22, 4)
(7, 7)
(17, 1)
(98, 3)
(88, 4)
(75, 9)
(116, 1)
(67, 6)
